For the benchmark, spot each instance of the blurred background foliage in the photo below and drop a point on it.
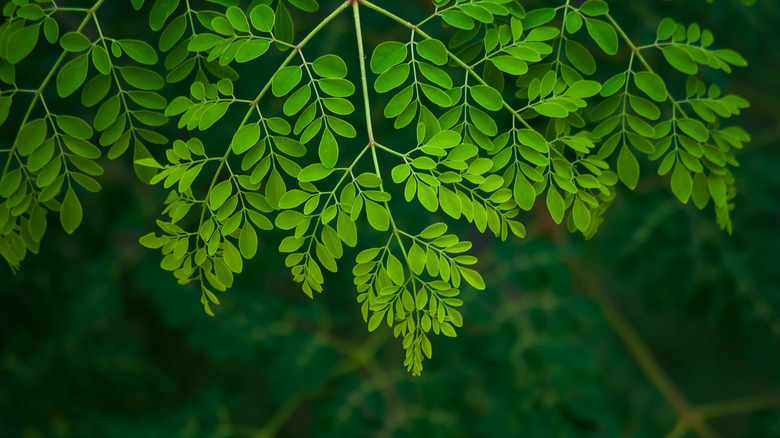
(98, 341)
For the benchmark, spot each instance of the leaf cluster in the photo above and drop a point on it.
(507, 110)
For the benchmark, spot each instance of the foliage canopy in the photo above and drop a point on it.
(99, 341)
(504, 106)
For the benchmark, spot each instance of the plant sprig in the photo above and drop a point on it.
(502, 106)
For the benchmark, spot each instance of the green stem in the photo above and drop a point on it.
(739, 406)
(363, 77)
(367, 104)
(639, 350)
(372, 143)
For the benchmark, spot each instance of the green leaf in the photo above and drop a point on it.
(31, 136)
(436, 95)
(510, 64)
(376, 320)
(336, 87)
(472, 277)
(160, 12)
(594, 7)
(328, 149)
(51, 30)
(297, 100)
(680, 59)
(580, 215)
(392, 78)
(72, 75)
(314, 172)
(450, 202)
(700, 192)
(435, 75)
(262, 18)
(31, 12)
(232, 257)
(731, 57)
(555, 204)
(603, 34)
(284, 29)
(245, 138)
(717, 186)
(107, 113)
(101, 60)
(445, 139)
(71, 212)
(399, 102)
(289, 146)
(531, 138)
(524, 192)
(247, 241)
(173, 33)
(583, 89)
(387, 55)
(11, 181)
(377, 216)
(681, 183)
(330, 66)
(644, 107)
(573, 23)
(139, 51)
(347, 230)
(294, 198)
(487, 96)
(458, 19)
(580, 57)
(416, 259)
(305, 5)
(237, 19)
(433, 231)
(251, 50)
(628, 168)
(21, 43)
(220, 193)
(73, 126)
(285, 80)
(203, 41)
(37, 223)
(665, 29)
(212, 115)
(694, 128)
(75, 42)
(433, 50)
(651, 84)
(142, 78)
(395, 270)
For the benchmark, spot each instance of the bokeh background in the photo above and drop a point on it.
(97, 341)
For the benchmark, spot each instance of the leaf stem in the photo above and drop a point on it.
(640, 351)
(739, 406)
(363, 77)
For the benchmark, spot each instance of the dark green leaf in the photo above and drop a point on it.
(72, 75)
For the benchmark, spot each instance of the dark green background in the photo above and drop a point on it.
(97, 341)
